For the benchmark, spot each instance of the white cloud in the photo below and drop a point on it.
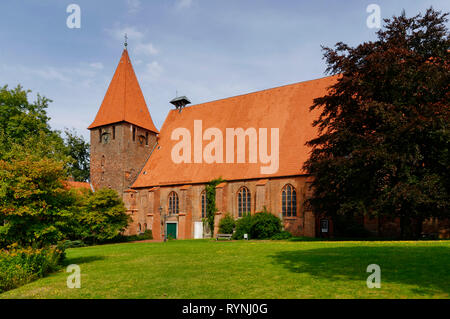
(50, 73)
(96, 65)
(181, 4)
(153, 70)
(137, 42)
(131, 32)
(133, 6)
(146, 49)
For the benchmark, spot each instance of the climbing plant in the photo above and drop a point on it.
(211, 208)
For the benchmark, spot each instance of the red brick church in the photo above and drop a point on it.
(130, 155)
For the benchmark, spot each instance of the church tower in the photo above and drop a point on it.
(123, 134)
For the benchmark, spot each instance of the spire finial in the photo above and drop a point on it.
(126, 41)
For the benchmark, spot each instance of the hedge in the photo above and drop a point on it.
(19, 266)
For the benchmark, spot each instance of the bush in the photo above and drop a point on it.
(264, 225)
(144, 236)
(19, 266)
(282, 236)
(227, 225)
(243, 226)
(102, 217)
(72, 244)
(123, 239)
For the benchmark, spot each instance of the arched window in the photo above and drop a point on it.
(289, 201)
(174, 207)
(244, 200)
(203, 203)
(139, 228)
(145, 227)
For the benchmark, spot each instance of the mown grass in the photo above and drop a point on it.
(253, 269)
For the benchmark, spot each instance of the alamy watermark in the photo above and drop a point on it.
(74, 279)
(74, 19)
(374, 19)
(213, 152)
(374, 280)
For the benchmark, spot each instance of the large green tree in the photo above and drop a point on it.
(78, 151)
(26, 123)
(384, 126)
(34, 204)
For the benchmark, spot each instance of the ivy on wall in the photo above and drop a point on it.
(211, 208)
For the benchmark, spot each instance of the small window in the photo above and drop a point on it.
(244, 201)
(174, 207)
(203, 203)
(99, 135)
(103, 161)
(289, 201)
(146, 138)
(139, 228)
(134, 134)
(114, 132)
(145, 227)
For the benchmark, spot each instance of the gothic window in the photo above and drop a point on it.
(289, 201)
(99, 135)
(203, 202)
(244, 201)
(114, 132)
(174, 207)
(139, 228)
(146, 138)
(134, 134)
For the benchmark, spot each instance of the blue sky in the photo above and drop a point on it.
(205, 49)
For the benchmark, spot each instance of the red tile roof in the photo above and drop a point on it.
(286, 108)
(124, 101)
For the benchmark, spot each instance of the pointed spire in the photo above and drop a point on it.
(126, 41)
(124, 101)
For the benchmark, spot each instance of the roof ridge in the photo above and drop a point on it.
(260, 91)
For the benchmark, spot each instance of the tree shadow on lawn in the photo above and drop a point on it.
(82, 260)
(427, 267)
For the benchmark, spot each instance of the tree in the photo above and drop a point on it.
(24, 123)
(34, 203)
(382, 148)
(20, 119)
(102, 216)
(78, 150)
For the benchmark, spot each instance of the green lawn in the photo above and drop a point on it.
(269, 269)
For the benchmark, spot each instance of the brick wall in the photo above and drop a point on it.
(117, 162)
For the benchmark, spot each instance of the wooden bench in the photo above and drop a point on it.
(223, 236)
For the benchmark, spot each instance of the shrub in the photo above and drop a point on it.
(19, 266)
(144, 236)
(227, 225)
(282, 236)
(264, 225)
(102, 216)
(123, 239)
(72, 244)
(243, 226)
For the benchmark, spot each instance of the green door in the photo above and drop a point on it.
(171, 230)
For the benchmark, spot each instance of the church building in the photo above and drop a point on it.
(164, 188)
